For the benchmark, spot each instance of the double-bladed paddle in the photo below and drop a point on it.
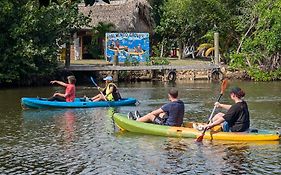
(223, 87)
(93, 81)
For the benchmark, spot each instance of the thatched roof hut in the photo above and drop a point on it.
(126, 15)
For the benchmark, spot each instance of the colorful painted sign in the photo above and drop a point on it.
(130, 47)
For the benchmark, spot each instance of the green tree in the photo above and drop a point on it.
(261, 43)
(31, 36)
(173, 20)
(98, 38)
(192, 21)
(249, 31)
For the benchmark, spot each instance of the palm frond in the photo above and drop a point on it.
(204, 46)
(209, 51)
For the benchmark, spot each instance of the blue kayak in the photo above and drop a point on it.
(78, 103)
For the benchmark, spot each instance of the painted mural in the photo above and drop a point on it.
(130, 47)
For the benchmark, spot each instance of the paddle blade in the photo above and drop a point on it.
(200, 138)
(223, 85)
(93, 81)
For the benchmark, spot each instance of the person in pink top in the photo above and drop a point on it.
(69, 94)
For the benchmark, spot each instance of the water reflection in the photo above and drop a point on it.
(63, 123)
(84, 141)
(162, 155)
(175, 152)
(111, 111)
(66, 125)
(238, 160)
(239, 157)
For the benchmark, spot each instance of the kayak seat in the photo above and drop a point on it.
(200, 126)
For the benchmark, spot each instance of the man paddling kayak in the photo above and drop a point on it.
(170, 114)
(237, 118)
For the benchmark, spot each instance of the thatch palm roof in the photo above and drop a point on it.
(126, 15)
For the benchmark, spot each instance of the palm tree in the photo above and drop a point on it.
(98, 37)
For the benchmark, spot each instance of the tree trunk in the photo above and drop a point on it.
(253, 23)
(162, 48)
(275, 61)
(67, 55)
(180, 44)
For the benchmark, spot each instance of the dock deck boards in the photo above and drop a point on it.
(141, 67)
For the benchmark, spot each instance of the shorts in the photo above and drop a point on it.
(225, 127)
(160, 121)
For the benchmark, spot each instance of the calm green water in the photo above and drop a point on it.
(86, 141)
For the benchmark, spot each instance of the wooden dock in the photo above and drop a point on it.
(167, 72)
(141, 67)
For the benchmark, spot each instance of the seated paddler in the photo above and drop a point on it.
(237, 118)
(170, 114)
(109, 93)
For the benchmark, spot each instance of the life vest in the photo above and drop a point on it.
(115, 95)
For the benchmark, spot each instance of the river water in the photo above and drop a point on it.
(86, 141)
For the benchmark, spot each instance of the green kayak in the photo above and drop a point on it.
(188, 131)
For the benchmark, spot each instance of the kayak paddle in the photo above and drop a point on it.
(97, 87)
(223, 87)
(93, 81)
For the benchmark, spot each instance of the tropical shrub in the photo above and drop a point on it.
(158, 61)
(31, 36)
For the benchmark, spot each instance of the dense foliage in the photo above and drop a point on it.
(31, 36)
(97, 45)
(262, 47)
(249, 31)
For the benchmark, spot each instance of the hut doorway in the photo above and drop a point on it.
(86, 46)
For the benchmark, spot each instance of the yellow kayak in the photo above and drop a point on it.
(189, 132)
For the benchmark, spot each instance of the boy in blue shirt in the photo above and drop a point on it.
(170, 114)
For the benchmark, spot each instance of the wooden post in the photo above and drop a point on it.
(115, 75)
(162, 48)
(115, 58)
(67, 55)
(180, 50)
(216, 45)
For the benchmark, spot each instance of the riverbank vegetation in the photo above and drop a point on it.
(31, 35)
(249, 31)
